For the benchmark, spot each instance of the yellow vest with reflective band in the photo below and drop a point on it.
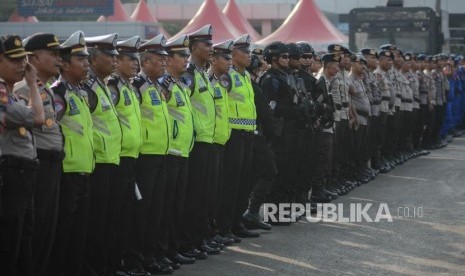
(222, 129)
(203, 108)
(77, 129)
(241, 104)
(107, 130)
(130, 120)
(181, 119)
(156, 127)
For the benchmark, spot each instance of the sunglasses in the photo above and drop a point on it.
(284, 56)
(307, 56)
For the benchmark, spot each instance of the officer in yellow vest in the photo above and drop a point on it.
(45, 57)
(199, 189)
(122, 199)
(107, 145)
(238, 151)
(181, 143)
(149, 231)
(74, 117)
(19, 159)
(221, 82)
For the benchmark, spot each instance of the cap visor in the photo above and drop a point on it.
(129, 54)
(183, 52)
(111, 52)
(19, 55)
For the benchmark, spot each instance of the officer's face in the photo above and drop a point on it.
(306, 59)
(372, 62)
(385, 63)
(241, 58)
(283, 60)
(406, 65)
(178, 63)
(155, 65)
(345, 62)
(12, 69)
(202, 51)
(316, 66)
(103, 63)
(127, 67)
(398, 60)
(221, 64)
(47, 62)
(332, 68)
(294, 62)
(77, 69)
(357, 68)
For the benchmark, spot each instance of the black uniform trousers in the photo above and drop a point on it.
(101, 182)
(418, 128)
(216, 188)
(150, 173)
(428, 120)
(322, 162)
(407, 131)
(264, 172)
(237, 169)
(173, 226)
(282, 146)
(439, 120)
(17, 216)
(306, 167)
(196, 206)
(46, 193)
(340, 150)
(120, 205)
(71, 233)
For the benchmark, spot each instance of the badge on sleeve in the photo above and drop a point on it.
(22, 131)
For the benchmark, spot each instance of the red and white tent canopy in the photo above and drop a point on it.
(306, 23)
(209, 13)
(143, 14)
(240, 22)
(119, 14)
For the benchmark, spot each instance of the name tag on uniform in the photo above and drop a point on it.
(154, 98)
(105, 104)
(237, 81)
(73, 109)
(179, 101)
(202, 86)
(127, 99)
(217, 93)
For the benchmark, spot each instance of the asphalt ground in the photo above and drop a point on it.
(426, 200)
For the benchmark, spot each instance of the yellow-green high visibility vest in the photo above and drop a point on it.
(107, 130)
(181, 119)
(203, 106)
(128, 110)
(76, 126)
(220, 95)
(241, 104)
(156, 127)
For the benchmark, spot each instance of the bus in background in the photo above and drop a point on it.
(416, 29)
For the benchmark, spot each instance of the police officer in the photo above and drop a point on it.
(45, 57)
(200, 188)
(19, 158)
(385, 59)
(360, 100)
(408, 83)
(374, 96)
(107, 145)
(121, 201)
(238, 151)
(264, 168)
(221, 83)
(288, 110)
(325, 134)
(181, 142)
(152, 234)
(441, 101)
(426, 105)
(74, 117)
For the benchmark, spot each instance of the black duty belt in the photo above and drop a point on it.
(51, 155)
(376, 102)
(345, 105)
(407, 100)
(399, 96)
(10, 161)
(338, 106)
(385, 98)
(417, 100)
(363, 113)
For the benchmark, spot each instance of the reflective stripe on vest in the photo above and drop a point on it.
(77, 132)
(181, 119)
(107, 130)
(130, 119)
(241, 103)
(156, 127)
(203, 108)
(222, 129)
